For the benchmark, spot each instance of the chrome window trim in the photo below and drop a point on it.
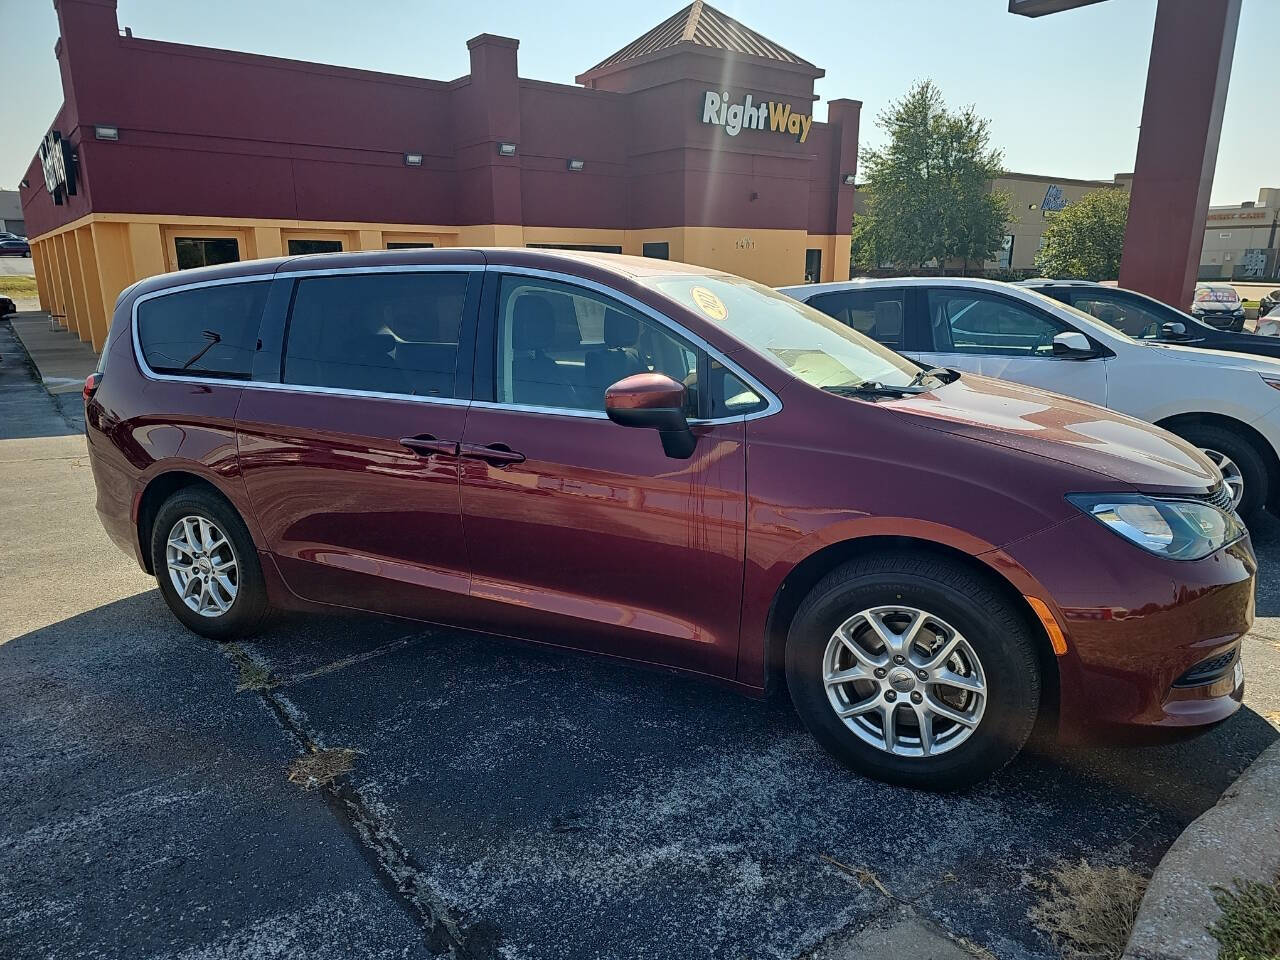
(150, 374)
(772, 403)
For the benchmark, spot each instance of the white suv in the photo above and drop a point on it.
(1227, 404)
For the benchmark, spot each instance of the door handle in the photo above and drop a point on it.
(497, 454)
(425, 445)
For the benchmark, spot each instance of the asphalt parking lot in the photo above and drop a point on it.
(17, 267)
(505, 800)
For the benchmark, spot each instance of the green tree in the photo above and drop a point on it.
(1083, 240)
(928, 190)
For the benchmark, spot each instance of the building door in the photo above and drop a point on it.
(812, 266)
(583, 532)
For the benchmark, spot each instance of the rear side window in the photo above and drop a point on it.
(876, 313)
(208, 331)
(378, 332)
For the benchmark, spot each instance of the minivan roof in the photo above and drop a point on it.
(547, 259)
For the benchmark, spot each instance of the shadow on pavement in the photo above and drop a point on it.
(576, 805)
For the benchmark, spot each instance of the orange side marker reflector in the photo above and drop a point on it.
(1056, 639)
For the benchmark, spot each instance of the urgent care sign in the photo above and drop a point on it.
(747, 114)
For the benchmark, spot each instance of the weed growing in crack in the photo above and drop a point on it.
(322, 767)
(1088, 911)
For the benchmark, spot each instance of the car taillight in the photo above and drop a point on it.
(91, 384)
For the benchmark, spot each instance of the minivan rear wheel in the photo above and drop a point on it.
(914, 670)
(207, 566)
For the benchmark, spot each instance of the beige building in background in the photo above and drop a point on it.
(1033, 196)
(1242, 242)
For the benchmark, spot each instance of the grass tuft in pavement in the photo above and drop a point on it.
(254, 676)
(321, 768)
(1089, 911)
(1249, 928)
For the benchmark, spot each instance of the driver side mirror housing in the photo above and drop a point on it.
(1173, 330)
(1073, 345)
(655, 401)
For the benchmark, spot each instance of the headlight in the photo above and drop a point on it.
(1177, 529)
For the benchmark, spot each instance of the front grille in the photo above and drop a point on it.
(1219, 496)
(1207, 671)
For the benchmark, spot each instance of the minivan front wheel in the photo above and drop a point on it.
(207, 566)
(913, 670)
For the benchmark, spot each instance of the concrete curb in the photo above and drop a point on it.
(1239, 838)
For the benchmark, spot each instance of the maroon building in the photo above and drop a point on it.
(694, 142)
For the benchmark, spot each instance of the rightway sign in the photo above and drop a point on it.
(748, 115)
(58, 163)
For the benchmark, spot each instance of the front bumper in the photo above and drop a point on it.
(1222, 320)
(1135, 624)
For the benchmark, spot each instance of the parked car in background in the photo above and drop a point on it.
(1227, 404)
(1145, 318)
(15, 248)
(1218, 305)
(677, 466)
(1268, 302)
(1269, 325)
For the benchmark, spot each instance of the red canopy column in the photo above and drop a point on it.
(1178, 148)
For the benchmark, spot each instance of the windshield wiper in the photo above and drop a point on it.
(874, 388)
(213, 339)
(940, 373)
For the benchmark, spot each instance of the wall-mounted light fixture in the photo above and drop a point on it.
(1032, 206)
(848, 178)
(413, 159)
(24, 183)
(106, 133)
(506, 149)
(575, 165)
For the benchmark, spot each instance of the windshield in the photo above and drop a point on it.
(806, 343)
(1090, 322)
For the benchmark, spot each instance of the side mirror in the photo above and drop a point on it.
(1072, 345)
(1173, 330)
(655, 401)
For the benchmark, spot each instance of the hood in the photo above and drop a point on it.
(1060, 428)
(1223, 359)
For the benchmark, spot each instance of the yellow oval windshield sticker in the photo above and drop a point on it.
(709, 303)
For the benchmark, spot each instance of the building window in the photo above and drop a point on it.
(1004, 259)
(812, 265)
(300, 248)
(205, 251)
(590, 247)
(410, 246)
(658, 251)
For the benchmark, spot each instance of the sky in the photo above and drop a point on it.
(1063, 92)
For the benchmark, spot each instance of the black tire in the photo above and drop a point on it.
(248, 610)
(1253, 468)
(996, 631)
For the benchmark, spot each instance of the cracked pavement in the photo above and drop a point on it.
(506, 800)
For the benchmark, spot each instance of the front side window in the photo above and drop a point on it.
(383, 333)
(208, 331)
(205, 251)
(1128, 316)
(876, 313)
(563, 346)
(803, 341)
(968, 321)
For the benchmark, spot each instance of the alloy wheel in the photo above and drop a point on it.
(202, 566)
(904, 681)
(1231, 474)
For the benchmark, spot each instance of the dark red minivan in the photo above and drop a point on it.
(677, 466)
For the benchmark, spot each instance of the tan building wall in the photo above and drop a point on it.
(1028, 198)
(82, 268)
(1243, 242)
